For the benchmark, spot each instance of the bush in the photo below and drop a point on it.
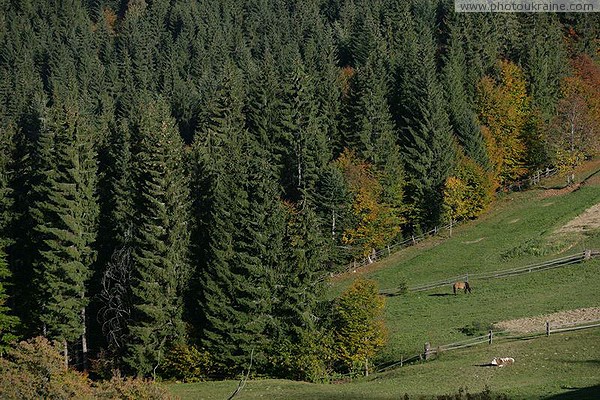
(307, 359)
(35, 370)
(187, 363)
(130, 389)
(359, 329)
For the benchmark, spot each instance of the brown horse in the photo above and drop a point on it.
(462, 285)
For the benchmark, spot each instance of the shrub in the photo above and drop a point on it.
(35, 370)
(308, 359)
(130, 389)
(187, 363)
(359, 329)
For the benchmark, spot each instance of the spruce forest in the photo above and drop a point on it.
(179, 178)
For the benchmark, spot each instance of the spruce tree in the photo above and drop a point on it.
(545, 61)
(304, 144)
(235, 274)
(65, 215)
(372, 131)
(460, 107)
(426, 131)
(297, 295)
(160, 266)
(8, 322)
(115, 266)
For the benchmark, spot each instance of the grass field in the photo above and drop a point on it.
(562, 366)
(519, 231)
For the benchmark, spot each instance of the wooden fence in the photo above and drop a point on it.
(491, 337)
(376, 255)
(530, 181)
(546, 265)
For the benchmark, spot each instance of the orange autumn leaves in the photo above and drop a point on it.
(376, 223)
(575, 130)
(504, 109)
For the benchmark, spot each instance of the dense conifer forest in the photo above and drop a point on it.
(178, 177)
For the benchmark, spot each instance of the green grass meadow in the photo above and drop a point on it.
(562, 366)
(519, 231)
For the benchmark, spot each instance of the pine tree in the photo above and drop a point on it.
(65, 216)
(545, 61)
(160, 269)
(305, 147)
(233, 287)
(426, 131)
(460, 107)
(8, 322)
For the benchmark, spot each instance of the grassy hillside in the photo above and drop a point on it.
(558, 367)
(519, 231)
(522, 229)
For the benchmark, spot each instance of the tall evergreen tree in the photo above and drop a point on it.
(8, 322)
(460, 106)
(545, 61)
(160, 270)
(426, 131)
(234, 274)
(297, 295)
(371, 130)
(65, 216)
(305, 148)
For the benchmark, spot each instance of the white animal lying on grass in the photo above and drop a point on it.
(502, 361)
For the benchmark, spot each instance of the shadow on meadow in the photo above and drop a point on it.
(587, 393)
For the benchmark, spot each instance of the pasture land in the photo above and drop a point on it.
(562, 366)
(520, 230)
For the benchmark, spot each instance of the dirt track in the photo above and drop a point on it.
(589, 220)
(537, 324)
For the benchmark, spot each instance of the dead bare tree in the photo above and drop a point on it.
(115, 297)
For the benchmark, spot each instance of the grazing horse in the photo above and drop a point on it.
(461, 285)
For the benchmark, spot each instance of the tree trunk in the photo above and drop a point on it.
(66, 354)
(84, 347)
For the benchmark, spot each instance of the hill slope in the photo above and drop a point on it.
(522, 229)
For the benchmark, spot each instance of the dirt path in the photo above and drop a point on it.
(589, 220)
(537, 324)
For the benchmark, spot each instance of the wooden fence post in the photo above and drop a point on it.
(491, 337)
(401, 360)
(547, 328)
(587, 255)
(413, 239)
(427, 351)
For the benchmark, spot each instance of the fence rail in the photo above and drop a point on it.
(574, 326)
(556, 263)
(531, 181)
(490, 338)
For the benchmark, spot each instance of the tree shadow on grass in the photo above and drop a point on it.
(586, 393)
